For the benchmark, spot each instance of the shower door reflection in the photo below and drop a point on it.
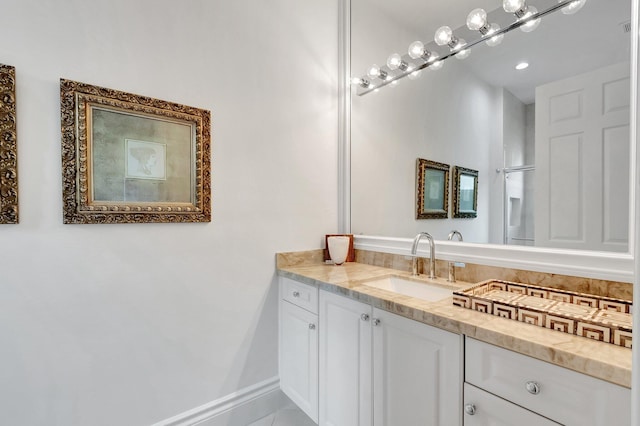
(518, 205)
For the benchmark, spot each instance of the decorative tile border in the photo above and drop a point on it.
(595, 317)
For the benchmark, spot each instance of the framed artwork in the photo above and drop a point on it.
(132, 159)
(8, 146)
(465, 192)
(432, 190)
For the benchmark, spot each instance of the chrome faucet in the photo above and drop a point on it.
(432, 255)
(452, 265)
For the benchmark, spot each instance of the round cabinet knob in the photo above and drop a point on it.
(296, 294)
(364, 317)
(376, 321)
(312, 326)
(470, 409)
(533, 388)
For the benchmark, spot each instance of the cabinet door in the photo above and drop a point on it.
(299, 357)
(417, 377)
(484, 409)
(345, 361)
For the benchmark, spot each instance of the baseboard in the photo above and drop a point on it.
(237, 409)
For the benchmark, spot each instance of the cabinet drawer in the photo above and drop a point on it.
(484, 409)
(555, 392)
(299, 294)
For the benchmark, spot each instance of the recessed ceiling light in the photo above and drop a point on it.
(522, 65)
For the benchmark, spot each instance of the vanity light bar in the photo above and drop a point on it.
(524, 14)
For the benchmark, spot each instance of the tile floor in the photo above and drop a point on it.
(290, 415)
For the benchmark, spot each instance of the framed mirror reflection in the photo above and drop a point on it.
(465, 193)
(432, 189)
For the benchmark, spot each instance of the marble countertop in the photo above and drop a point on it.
(601, 360)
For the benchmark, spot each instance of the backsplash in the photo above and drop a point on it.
(475, 273)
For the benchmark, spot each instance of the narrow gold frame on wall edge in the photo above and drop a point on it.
(8, 146)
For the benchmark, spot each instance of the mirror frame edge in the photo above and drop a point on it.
(635, 203)
(344, 116)
(590, 264)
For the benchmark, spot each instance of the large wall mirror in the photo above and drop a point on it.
(551, 142)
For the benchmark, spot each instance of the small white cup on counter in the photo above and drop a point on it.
(338, 249)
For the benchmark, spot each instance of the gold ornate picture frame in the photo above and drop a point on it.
(465, 193)
(8, 146)
(432, 189)
(132, 159)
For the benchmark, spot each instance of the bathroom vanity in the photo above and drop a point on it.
(353, 354)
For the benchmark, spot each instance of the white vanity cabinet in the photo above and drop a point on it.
(381, 369)
(559, 394)
(298, 345)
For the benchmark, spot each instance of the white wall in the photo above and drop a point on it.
(132, 324)
(426, 118)
(514, 130)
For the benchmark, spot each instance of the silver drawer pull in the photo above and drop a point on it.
(364, 317)
(533, 388)
(470, 409)
(376, 321)
(312, 326)
(296, 294)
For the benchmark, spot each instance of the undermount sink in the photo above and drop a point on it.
(419, 289)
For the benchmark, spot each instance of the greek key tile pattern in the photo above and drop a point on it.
(599, 318)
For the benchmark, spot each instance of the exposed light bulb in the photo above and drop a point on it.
(395, 61)
(512, 6)
(572, 7)
(532, 24)
(416, 49)
(374, 71)
(494, 40)
(357, 81)
(522, 65)
(477, 19)
(443, 36)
